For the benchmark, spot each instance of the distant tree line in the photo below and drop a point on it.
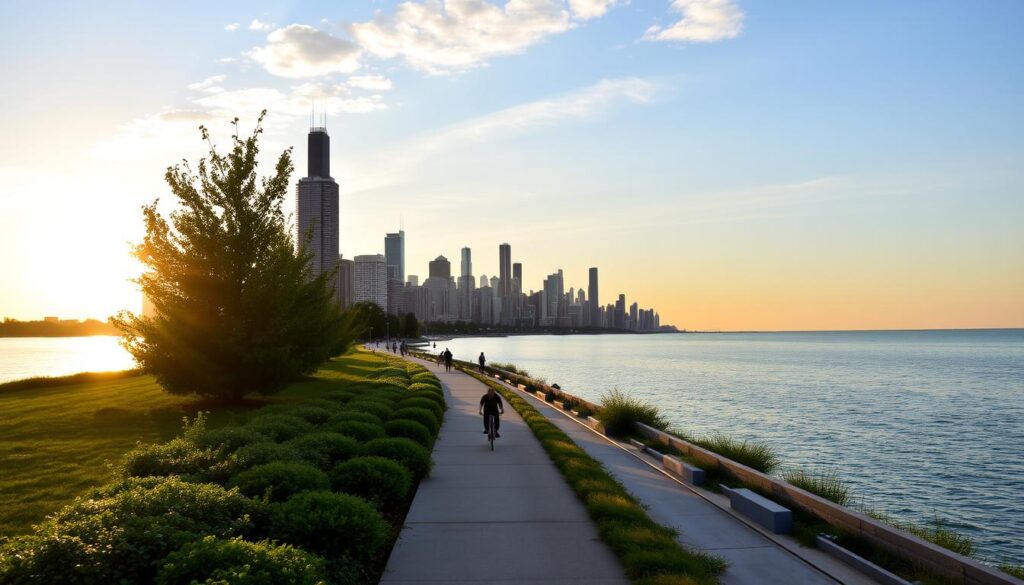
(67, 328)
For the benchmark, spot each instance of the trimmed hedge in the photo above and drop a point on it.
(228, 439)
(324, 449)
(279, 427)
(410, 429)
(420, 402)
(239, 562)
(177, 457)
(363, 417)
(420, 415)
(279, 480)
(329, 524)
(414, 457)
(262, 452)
(114, 534)
(384, 482)
(379, 409)
(357, 430)
(311, 414)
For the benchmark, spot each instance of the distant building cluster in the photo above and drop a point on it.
(443, 297)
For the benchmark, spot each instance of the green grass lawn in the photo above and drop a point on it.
(57, 441)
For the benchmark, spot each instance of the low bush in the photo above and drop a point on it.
(758, 456)
(279, 427)
(377, 409)
(338, 396)
(324, 449)
(414, 457)
(330, 524)
(420, 415)
(410, 429)
(177, 457)
(262, 452)
(825, 484)
(357, 430)
(615, 507)
(239, 562)
(279, 480)
(363, 417)
(620, 412)
(114, 534)
(424, 378)
(420, 402)
(384, 482)
(228, 439)
(311, 414)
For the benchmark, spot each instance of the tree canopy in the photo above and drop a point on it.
(236, 310)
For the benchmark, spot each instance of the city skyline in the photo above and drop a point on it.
(740, 165)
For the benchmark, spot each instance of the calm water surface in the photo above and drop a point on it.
(26, 357)
(921, 424)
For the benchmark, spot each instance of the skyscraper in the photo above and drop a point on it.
(466, 286)
(595, 301)
(440, 267)
(504, 270)
(467, 263)
(316, 206)
(345, 290)
(619, 320)
(394, 254)
(517, 271)
(370, 280)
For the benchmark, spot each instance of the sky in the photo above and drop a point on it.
(735, 164)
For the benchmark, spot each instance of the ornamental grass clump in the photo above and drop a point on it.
(759, 456)
(620, 412)
(825, 484)
(240, 562)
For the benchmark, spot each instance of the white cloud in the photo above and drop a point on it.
(444, 36)
(303, 51)
(232, 27)
(370, 82)
(259, 25)
(587, 9)
(209, 85)
(703, 21)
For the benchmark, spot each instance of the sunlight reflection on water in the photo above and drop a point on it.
(26, 357)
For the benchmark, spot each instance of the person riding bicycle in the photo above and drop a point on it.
(483, 362)
(491, 405)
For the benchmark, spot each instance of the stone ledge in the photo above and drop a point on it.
(760, 509)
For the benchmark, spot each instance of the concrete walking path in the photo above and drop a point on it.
(505, 516)
(754, 558)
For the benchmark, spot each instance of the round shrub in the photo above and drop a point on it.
(229, 439)
(310, 414)
(177, 457)
(330, 405)
(414, 457)
(279, 480)
(427, 382)
(236, 561)
(420, 415)
(419, 402)
(409, 429)
(357, 430)
(379, 409)
(338, 396)
(113, 534)
(265, 451)
(279, 427)
(324, 449)
(384, 482)
(329, 524)
(363, 417)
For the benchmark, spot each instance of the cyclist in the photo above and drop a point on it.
(491, 405)
(482, 361)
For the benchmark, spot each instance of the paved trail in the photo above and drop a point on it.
(505, 516)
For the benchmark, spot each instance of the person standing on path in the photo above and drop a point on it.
(483, 361)
(447, 360)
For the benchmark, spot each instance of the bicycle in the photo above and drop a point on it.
(490, 429)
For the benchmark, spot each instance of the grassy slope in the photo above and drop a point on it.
(57, 441)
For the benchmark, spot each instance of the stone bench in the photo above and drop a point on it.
(761, 510)
(595, 424)
(691, 474)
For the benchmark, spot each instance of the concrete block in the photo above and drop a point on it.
(637, 444)
(521, 386)
(539, 394)
(595, 424)
(761, 510)
(860, 563)
(690, 473)
(558, 404)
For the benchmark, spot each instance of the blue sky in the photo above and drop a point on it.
(736, 164)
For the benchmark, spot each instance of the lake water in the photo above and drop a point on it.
(922, 424)
(26, 357)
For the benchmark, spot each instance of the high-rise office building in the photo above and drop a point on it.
(484, 281)
(466, 284)
(413, 280)
(517, 271)
(620, 313)
(466, 267)
(634, 313)
(394, 254)
(440, 267)
(370, 280)
(595, 301)
(504, 270)
(316, 206)
(344, 286)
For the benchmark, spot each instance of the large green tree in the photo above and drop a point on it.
(236, 309)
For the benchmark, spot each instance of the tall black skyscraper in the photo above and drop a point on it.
(316, 204)
(595, 301)
(504, 270)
